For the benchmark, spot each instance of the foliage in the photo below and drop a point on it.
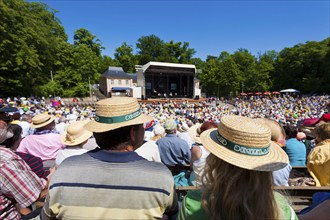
(37, 59)
(30, 35)
(83, 36)
(304, 67)
(125, 57)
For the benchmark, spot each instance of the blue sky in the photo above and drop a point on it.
(209, 26)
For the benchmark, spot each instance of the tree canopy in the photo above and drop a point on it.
(37, 59)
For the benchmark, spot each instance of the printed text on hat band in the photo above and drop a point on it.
(118, 119)
(251, 151)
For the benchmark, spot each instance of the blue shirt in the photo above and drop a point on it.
(281, 177)
(173, 150)
(296, 151)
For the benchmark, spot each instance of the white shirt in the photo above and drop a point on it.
(25, 128)
(68, 152)
(61, 127)
(149, 150)
(186, 137)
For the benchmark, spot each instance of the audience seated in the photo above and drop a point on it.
(295, 149)
(45, 143)
(173, 150)
(74, 138)
(281, 176)
(35, 163)
(149, 150)
(184, 135)
(318, 162)
(237, 182)
(112, 181)
(25, 124)
(199, 155)
(20, 187)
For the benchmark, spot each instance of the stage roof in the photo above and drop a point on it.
(118, 73)
(171, 68)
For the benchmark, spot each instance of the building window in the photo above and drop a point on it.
(119, 81)
(112, 82)
(127, 82)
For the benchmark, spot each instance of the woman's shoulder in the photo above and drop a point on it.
(191, 208)
(284, 206)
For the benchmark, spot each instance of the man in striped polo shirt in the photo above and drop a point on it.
(112, 181)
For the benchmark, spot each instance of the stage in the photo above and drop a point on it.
(168, 100)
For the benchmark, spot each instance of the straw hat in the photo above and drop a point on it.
(75, 134)
(41, 120)
(193, 131)
(245, 143)
(115, 113)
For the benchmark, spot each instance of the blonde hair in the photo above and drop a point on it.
(230, 192)
(323, 132)
(159, 132)
(276, 129)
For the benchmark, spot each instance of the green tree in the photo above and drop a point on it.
(125, 57)
(29, 39)
(73, 80)
(304, 67)
(149, 48)
(246, 64)
(83, 36)
(210, 77)
(105, 62)
(186, 53)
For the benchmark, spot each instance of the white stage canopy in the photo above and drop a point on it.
(290, 90)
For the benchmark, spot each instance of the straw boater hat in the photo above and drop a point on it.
(194, 133)
(117, 112)
(245, 143)
(41, 120)
(75, 134)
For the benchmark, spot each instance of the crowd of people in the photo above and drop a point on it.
(114, 159)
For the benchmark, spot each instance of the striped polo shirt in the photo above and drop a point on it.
(110, 185)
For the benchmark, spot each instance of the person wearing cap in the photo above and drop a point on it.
(237, 182)
(112, 181)
(173, 150)
(149, 130)
(74, 138)
(20, 187)
(45, 142)
(318, 161)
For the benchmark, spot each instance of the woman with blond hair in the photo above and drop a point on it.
(237, 182)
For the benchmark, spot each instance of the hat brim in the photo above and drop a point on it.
(98, 127)
(50, 120)
(79, 140)
(275, 159)
(193, 133)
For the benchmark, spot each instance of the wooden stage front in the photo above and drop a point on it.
(168, 100)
